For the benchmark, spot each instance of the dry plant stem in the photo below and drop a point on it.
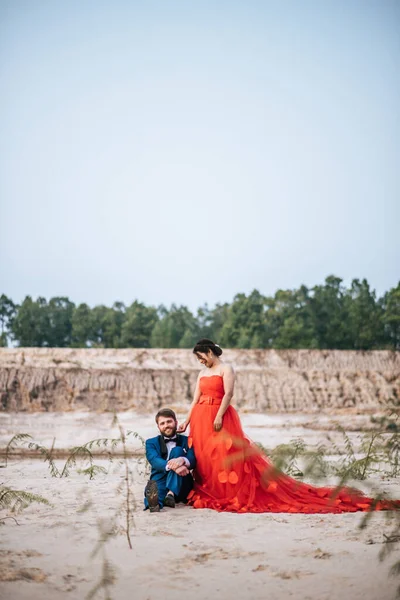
(13, 518)
(19, 437)
(52, 449)
(107, 579)
(373, 437)
(390, 539)
(128, 490)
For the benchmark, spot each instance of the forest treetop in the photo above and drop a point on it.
(328, 316)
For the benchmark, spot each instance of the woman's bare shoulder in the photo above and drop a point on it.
(227, 370)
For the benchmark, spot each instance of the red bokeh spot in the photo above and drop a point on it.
(222, 476)
(233, 478)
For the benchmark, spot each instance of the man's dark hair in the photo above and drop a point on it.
(166, 412)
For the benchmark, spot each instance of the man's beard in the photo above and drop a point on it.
(170, 434)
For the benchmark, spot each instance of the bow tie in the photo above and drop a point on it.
(173, 439)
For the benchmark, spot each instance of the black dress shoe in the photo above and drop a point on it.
(169, 501)
(151, 494)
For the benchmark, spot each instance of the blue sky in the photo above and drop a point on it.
(184, 152)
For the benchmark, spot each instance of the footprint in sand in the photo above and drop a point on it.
(10, 570)
(282, 574)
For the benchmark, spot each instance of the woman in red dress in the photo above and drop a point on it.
(232, 474)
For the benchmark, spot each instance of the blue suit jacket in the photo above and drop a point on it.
(156, 454)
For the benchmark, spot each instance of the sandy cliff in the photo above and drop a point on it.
(42, 379)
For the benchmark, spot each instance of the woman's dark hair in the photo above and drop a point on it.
(204, 345)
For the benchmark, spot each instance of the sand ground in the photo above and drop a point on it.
(198, 553)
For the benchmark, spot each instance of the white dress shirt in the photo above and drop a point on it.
(172, 444)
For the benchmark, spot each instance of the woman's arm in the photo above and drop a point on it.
(196, 398)
(229, 383)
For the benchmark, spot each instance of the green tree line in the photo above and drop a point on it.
(328, 316)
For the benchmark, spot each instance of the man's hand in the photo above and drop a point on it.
(182, 471)
(176, 463)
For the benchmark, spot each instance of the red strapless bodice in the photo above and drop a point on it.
(212, 389)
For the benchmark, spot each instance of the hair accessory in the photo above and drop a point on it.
(216, 345)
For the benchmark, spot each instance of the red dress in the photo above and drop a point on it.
(233, 475)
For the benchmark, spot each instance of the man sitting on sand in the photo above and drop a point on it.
(171, 461)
